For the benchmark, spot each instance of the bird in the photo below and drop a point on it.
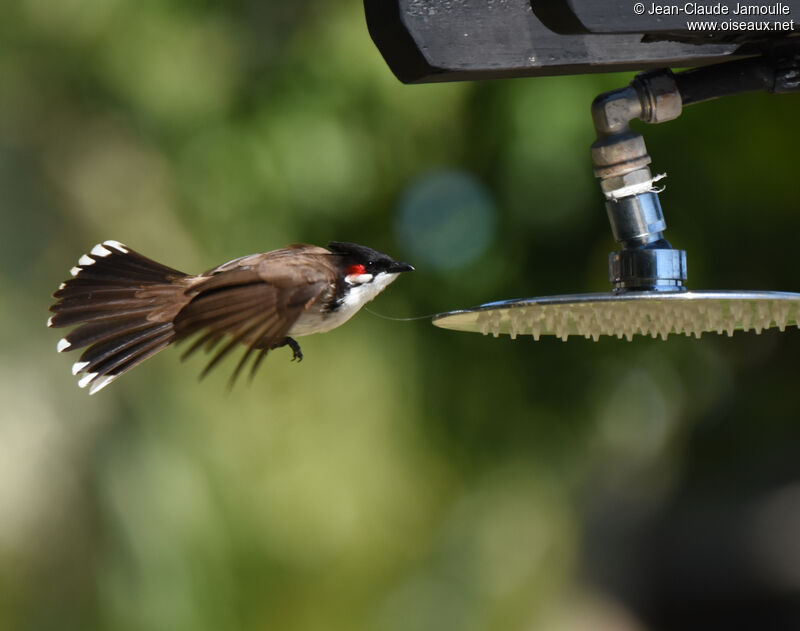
(126, 307)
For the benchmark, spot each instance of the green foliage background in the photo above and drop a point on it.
(401, 477)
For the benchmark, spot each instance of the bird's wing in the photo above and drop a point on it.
(254, 302)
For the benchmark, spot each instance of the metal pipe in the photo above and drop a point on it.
(646, 262)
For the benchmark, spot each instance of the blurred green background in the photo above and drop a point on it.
(401, 477)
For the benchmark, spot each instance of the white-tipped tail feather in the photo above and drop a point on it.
(101, 383)
(100, 250)
(95, 382)
(116, 245)
(78, 366)
(122, 305)
(86, 379)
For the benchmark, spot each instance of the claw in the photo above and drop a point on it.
(297, 354)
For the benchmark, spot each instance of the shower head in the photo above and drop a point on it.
(648, 275)
(653, 313)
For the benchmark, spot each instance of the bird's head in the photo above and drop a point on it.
(363, 266)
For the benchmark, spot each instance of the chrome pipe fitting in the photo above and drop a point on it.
(646, 262)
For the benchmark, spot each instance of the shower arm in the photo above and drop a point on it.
(658, 96)
(647, 262)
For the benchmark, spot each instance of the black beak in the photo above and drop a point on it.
(397, 267)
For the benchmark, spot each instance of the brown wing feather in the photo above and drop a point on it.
(253, 303)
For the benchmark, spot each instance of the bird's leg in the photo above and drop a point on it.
(296, 352)
(291, 343)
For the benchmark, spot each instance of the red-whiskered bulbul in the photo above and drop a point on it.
(129, 307)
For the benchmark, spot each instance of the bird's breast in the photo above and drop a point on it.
(319, 318)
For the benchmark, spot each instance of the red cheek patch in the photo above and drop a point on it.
(356, 270)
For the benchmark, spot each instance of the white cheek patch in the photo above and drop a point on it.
(358, 279)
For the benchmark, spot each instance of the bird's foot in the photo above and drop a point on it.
(297, 354)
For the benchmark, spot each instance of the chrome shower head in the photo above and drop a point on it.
(653, 313)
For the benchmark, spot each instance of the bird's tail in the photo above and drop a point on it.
(124, 305)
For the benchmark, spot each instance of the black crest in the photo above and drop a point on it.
(359, 253)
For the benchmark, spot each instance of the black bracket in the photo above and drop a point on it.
(450, 40)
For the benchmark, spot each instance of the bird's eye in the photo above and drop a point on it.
(356, 270)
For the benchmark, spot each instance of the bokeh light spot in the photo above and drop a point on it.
(446, 219)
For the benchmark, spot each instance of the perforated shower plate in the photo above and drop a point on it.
(657, 314)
